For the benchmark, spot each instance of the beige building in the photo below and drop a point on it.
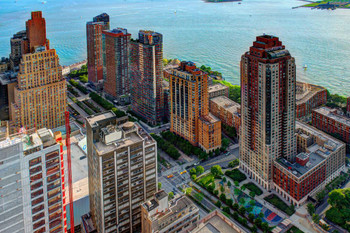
(122, 160)
(160, 216)
(218, 89)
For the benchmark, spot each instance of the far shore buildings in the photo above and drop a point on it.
(333, 122)
(39, 99)
(122, 172)
(31, 188)
(189, 108)
(309, 96)
(228, 111)
(146, 76)
(116, 63)
(158, 215)
(293, 158)
(94, 46)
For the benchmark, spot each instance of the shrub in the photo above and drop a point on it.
(218, 204)
(252, 187)
(236, 175)
(279, 204)
(310, 208)
(233, 163)
(78, 86)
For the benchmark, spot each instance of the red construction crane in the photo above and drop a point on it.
(71, 211)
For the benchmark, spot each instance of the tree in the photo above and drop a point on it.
(252, 194)
(320, 196)
(265, 226)
(254, 228)
(216, 192)
(244, 222)
(159, 185)
(224, 179)
(241, 201)
(223, 197)
(188, 191)
(225, 142)
(258, 221)
(217, 151)
(235, 206)
(252, 202)
(236, 183)
(218, 204)
(251, 216)
(199, 170)
(229, 184)
(194, 177)
(222, 189)
(216, 170)
(193, 171)
(243, 187)
(233, 163)
(316, 218)
(310, 208)
(242, 210)
(249, 209)
(226, 209)
(170, 195)
(229, 202)
(337, 199)
(261, 215)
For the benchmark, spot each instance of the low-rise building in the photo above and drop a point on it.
(4, 64)
(333, 122)
(159, 215)
(309, 96)
(209, 132)
(218, 89)
(228, 111)
(216, 222)
(320, 159)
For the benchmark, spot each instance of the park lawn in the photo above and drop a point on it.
(294, 229)
(236, 175)
(252, 187)
(279, 204)
(206, 180)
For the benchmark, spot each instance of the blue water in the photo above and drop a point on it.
(206, 33)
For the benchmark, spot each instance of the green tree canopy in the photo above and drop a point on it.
(216, 170)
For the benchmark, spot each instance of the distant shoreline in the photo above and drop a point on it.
(220, 1)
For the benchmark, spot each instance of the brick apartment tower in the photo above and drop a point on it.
(94, 46)
(116, 61)
(122, 170)
(189, 107)
(268, 108)
(40, 95)
(146, 70)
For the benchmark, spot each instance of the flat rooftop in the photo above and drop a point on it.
(216, 224)
(330, 113)
(226, 103)
(92, 120)
(8, 77)
(216, 87)
(305, 91)
(299, 170)
(210, 118)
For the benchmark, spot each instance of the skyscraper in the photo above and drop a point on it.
(267, 108)
(122, 160)
(32, 193)
(94, 46)
(189, 107)
(116, 62)
(40, 98)
(146, 65)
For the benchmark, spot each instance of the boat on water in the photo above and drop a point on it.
(305, 67)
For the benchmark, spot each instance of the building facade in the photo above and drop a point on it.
(160, 216)
(146, 75)
(228, 111)
(267, 110)
(333, 122)
(116, 62)
(94, 46)
(40, 98)
(217, 89)
(320, 159)
(309, 96)
(122, 172)
(33, 195)
(348, 107)
(189, 107)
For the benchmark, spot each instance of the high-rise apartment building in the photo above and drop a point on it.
(39, 99)
(146, 70)
(267, 108)
(94, 46)
(31, 188)
(122, 160)
(348, 107)
(116, 62)
(189, 107)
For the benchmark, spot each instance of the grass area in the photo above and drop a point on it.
(279, 204)
(91, 106)
(294, 229)
(236, 175)
(252, 187)
(206, 180)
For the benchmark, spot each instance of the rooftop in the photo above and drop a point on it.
(8, 77)
(216, 222)
(210, 118)
(332, 113)
(216, 87)
(305, 91)
(299, 170)
(226, 103)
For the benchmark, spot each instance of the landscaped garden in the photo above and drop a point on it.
(252, 187)
(166, 147)
(279, 204)
(294, 229)
(236, 175)
(78, 86)
(106, 104)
